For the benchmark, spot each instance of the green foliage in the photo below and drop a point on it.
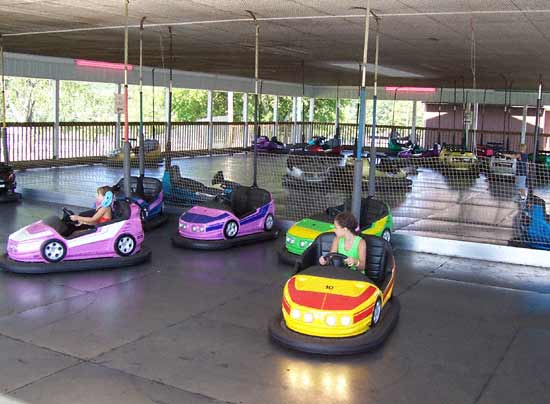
(86, 102)
(30, 100)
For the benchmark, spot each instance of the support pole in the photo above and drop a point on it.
(474, 127)
(141, 154)
(230, 111)
(413, 126)
(337, 120)
(209, 102)
(294, 120)
(524, 126)
(118, 138)
(358, 174)
(5, 152)
(245, 120)
(275, 115)
(372, 166)
(55, 96)
(168, 163)
(311, 116)
(127, 189)
(300, 119)
(537, 122)
(256, 97)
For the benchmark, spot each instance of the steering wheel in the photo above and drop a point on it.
(335, 259)
(67, 213)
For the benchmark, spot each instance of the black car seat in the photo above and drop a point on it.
(121, 211)
(245, 200)
(377, 254)
(371, 211)
(239, 201)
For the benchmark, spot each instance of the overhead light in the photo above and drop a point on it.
(382, 70)
(411, 89)
(101, 65)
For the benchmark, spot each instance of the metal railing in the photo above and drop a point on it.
(35, 142)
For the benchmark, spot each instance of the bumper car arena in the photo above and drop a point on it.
(256, 202)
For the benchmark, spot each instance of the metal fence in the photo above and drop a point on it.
(34, 142)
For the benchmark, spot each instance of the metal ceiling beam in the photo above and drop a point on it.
(53, 68)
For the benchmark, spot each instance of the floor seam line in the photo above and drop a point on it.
(167, 326)
(499, 363)
(161, 383)
(43, 377)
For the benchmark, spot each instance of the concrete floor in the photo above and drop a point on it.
(190, 327)
(473, 209)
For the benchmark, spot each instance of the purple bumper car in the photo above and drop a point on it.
(58, 245)
(247, 216)
(267, 145)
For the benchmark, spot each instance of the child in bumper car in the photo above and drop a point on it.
(348, 243)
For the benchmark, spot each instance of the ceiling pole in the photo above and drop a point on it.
(169, 117)
(372, 166)
(141, 135)
(537, 121)
(476, 105)
(153, 84)
(127, 188)
(5, 153)
(358, 173)
(256, 94)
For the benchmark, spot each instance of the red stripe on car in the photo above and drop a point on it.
(327, 301)
(363, 314)
(286, 306)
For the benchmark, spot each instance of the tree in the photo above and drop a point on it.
(28, 100)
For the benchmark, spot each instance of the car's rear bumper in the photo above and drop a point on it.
(155, 221)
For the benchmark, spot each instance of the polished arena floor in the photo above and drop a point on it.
(190, 327)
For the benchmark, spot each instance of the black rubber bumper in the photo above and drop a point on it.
(8, 197)
(154, 222)
(286, 257)
(193, 244)
(366, 342)
(73, 266)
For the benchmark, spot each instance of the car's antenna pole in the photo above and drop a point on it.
(358, 173)
(256, 95)
(141, 135)
(5, 153)
(127, 188)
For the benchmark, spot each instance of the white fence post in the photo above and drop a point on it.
(210, 124)
(55, 96)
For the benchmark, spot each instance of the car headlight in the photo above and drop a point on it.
(345, 321)
(183, 226)
(290, 240)
(295, 314)
(330, 320)
(303, 244)
(194, 228)
(308, 317)
(202, 228)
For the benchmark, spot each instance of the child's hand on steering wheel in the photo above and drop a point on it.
(322, 261)
(351, 262)
(74, 218)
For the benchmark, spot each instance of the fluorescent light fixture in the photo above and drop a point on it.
(101, 65)
(411, 89)
(382, 70)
